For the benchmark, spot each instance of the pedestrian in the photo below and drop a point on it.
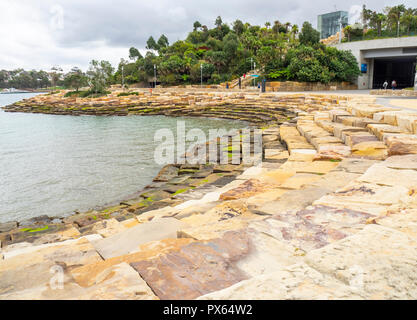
(385, 85)
(240, 83)
(227, 85)
(394, 84)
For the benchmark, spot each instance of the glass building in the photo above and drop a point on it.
(329, 24)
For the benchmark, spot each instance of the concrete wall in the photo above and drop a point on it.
(366, 51)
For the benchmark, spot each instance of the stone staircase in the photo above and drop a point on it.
(328, 215)
(245, 81)
(373, 132)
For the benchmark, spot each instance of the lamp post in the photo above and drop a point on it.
(123, 77)
(254, 68)
(154, 71)
(398, 28)
(201, 77)
(340, 30)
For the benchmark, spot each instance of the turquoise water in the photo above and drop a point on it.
(54, 165)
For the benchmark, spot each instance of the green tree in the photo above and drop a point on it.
(394, 16)
(238, 27)
(99, 75)
(309, 35)
(151, 44)
(163, 41)
(75, 79)
(218, 23)
(196, 25)
(134, 54)
(55, 74)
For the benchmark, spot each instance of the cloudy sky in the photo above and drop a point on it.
(38, 34)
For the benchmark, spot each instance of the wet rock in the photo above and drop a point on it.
(41, 220)
(7, 226)
(167, 173)
(155, 195)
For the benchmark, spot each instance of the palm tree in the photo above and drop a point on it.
(409, 18)
(394, 16)
(276, 27)
(348, 31)
(376, 20)
(294, 31)
(287, 26)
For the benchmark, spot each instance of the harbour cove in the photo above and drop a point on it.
(54, 165)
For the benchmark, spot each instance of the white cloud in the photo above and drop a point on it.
(40, 34)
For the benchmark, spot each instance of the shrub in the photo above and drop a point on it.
(124, 94)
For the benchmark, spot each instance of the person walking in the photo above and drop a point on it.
(240, 83)
(394, 84)
(385, 85)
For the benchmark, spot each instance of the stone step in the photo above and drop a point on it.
(294, 141)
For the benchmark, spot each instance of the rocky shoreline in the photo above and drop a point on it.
(333, 200)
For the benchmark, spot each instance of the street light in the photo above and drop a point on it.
(254, 68)
(201, 69)
(123, 77)
(154, 71)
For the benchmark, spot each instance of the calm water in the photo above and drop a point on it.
(55, 165)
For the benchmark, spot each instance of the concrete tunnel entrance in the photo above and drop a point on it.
(400, 69)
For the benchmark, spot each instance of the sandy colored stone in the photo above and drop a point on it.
(382, 175)
(371, 198)
(211, 230)
(196, 269)
(276, 177)
(85, 275)
(301, 157)
(129, 223)
(130, 240)
(296, 282)
(265, 197)
(108, 227)
(318, 167)
(379, 129)
(371, 150)
(298, 180)
(312, 228)
(401, 145)
(276, 154)
(15, 271)
(290, 201)
(379, 262)
(402, 162)
(119, 282)
(355, 165)
(247, 189)
(402, 220)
